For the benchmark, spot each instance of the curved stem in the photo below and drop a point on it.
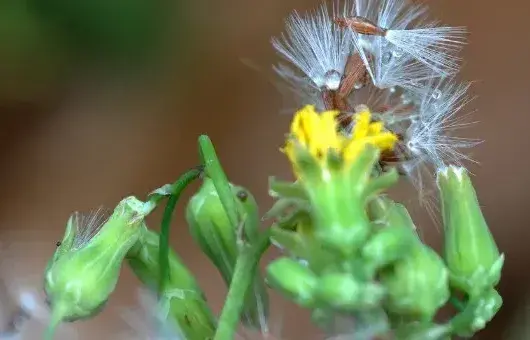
(175, 191)
(244, 274)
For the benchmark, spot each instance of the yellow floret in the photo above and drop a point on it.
(319, 134)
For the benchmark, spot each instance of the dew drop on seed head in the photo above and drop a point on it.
(405, 100)
(413, 147)
(397, 53)
(392, 89)
(436, 94)
(387, 56)
(358, 85)
(332, 80)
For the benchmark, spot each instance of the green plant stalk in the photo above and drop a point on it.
(214, 170)
(182, 301)
(244, 274)
(175, 191)
(457, 303)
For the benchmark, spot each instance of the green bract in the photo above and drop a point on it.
(293, 279)
(338, 198)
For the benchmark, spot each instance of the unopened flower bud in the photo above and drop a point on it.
(86, 265)
(394, 237)
(417, 285)
(293, 280)
(181, 301)
(470, 250)
(220, 240)
(343, 292)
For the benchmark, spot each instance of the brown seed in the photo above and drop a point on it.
(360, 25)
(354, 74)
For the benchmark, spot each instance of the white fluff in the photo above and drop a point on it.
(406, 55)
(315, 46)
(431, 138)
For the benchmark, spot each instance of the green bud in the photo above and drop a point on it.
(86, 265)
(338, 199)
(293, 280)
(220, 240)
(342, 291)
(182, 300)
(470, 250)
(478, 312)
(394, 237)
(418, 284)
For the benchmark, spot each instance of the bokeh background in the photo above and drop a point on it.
(103, 99)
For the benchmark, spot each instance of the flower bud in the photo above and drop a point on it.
(220, 240)
(341, 291)
(470, 250)
(181, 301)
(86, 265)
(418, 284)
(393, 236)
(292, 279)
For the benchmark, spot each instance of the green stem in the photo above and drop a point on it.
(215, 171)
(176, 190)
(244, 274)
(457, 303)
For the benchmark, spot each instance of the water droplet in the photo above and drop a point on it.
(387, 56)
(436, 94)
(392, 89)
(397, 53)
(358, 85)
(332, 80)
(413, 147)
(405, 100)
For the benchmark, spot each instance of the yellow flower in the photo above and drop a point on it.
(318, 134)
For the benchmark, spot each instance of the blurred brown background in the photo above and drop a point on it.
(77, 132)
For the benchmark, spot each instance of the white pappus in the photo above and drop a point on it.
(403, 47)
(431, 137)
(393, 38)
(316, 47)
